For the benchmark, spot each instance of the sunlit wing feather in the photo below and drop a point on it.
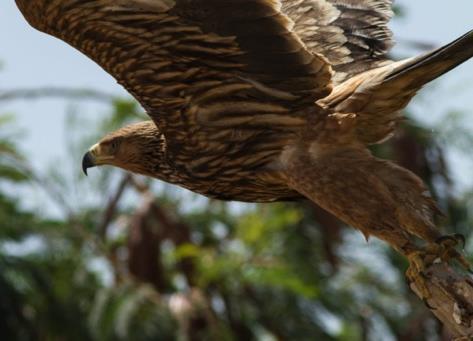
(194, 62)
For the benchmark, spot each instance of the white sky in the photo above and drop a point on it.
(32, 59)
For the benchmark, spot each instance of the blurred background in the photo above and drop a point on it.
(119, 257)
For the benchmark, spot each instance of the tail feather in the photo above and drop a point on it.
(425, 68)
(377, 96)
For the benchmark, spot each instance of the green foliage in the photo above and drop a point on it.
(12, 167)
(130, 312)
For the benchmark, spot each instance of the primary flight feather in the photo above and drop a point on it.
(263, 100)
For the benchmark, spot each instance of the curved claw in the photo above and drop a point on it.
(448, 244)
(456, 238)
(461, 238)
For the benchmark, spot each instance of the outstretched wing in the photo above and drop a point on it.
(194, 62)
(352, 34)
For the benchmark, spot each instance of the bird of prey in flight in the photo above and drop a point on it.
(265, 100)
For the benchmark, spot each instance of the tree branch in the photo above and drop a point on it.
(451, 299)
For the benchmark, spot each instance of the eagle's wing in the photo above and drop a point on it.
(194, 62)
(352, 34)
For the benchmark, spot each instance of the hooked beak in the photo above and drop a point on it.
(88, 161)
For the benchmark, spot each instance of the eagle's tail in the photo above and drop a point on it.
(377, 96)
(417, 71)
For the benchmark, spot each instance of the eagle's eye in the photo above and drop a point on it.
(114, 145)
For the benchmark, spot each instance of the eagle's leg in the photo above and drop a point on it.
(416, 275)
(375, 196)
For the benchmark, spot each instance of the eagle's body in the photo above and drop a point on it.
(262, 100)
(211, 171)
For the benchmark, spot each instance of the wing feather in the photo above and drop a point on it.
(352, 34)
(169, 53)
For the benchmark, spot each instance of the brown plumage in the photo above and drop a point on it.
(262, 100)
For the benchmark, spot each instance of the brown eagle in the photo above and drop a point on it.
(264, 100)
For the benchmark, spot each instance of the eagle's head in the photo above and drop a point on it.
(138, 148)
